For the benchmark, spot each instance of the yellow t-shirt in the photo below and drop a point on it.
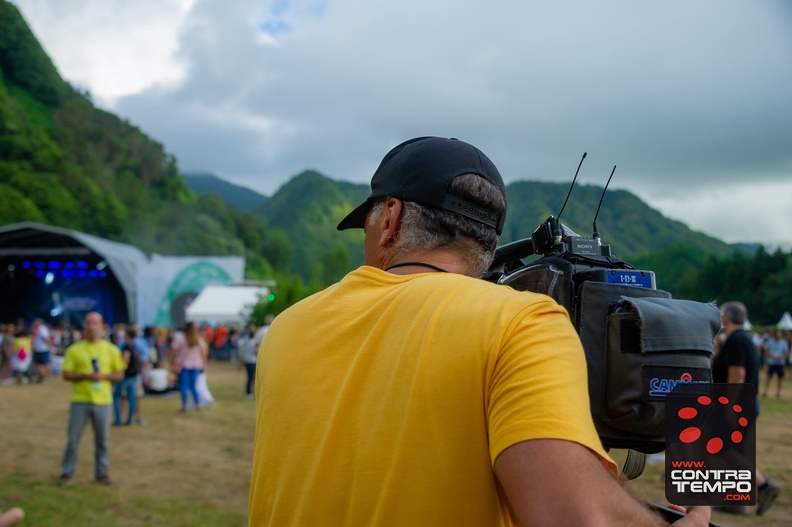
(78, 360)
(385, 400)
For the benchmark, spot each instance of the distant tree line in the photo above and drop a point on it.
(762, 281)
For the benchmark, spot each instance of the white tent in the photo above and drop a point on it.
(785, 322)
(220, 304)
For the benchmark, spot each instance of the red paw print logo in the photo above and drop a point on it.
(693, 433)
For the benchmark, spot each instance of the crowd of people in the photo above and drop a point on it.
(32, 353)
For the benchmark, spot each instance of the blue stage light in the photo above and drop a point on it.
(68, 274)
(82, 265)
(40, 274)
(82, 274)
(27, 265)
(52, 264)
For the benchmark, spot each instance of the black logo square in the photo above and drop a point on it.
(710, 456)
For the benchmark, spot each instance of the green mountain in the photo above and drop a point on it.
(307, 209)
(241, 198)
(310, 205)
(625, 222)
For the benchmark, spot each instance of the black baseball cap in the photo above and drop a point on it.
(421, 170)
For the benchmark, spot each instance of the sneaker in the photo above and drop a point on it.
(766, 495)
(63, 480)
(103, 480)
(140, 422)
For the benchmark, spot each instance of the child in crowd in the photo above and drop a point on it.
(157, 380)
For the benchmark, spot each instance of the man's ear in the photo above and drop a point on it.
(391, 221)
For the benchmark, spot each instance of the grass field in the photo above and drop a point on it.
(189, 469)
(181, 469)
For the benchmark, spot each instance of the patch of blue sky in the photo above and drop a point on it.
(280, 8)
(276, 27)
(283, 13)
(317, 8)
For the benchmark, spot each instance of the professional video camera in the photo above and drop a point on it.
(639, 342)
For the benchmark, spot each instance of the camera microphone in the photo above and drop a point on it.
(557, 222)
(596, 233)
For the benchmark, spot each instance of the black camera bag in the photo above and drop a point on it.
(639, 343)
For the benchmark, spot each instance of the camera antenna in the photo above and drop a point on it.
(557, 226)
(596, 231)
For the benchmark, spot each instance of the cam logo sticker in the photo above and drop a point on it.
(660, 380)
(711, 444)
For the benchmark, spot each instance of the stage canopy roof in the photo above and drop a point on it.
(28, 245)
(217, 304)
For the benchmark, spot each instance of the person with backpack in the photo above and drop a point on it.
(128, 386)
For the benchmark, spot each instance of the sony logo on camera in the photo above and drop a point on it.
(584, 246)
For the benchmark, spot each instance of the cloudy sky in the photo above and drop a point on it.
(691, 99)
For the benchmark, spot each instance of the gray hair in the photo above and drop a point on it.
(736, 311)
(426, 228)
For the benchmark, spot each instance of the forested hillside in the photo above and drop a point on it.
(308, 209)
(625, 222)
(241, 198)
(66, 163)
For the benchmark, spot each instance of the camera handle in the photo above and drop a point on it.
(670, 515)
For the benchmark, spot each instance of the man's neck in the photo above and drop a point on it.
(427, 262)
(731, 328)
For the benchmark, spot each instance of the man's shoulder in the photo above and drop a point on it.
(739, 342)
(82, 346)
(76, 347)
(498, 292)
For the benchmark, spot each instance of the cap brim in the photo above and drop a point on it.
(357, 218)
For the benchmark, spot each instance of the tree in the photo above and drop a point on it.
(288, 291)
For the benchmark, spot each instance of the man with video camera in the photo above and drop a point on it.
(413, 393)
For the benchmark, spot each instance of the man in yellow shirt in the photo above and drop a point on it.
(413, 393)
(91, 364)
